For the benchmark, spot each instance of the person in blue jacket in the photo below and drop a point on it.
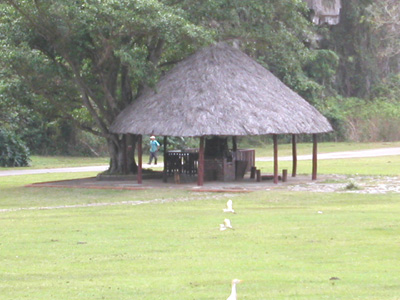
(154, 147)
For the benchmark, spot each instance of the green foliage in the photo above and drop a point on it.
(91, 55)
(38, 121)
(357, 119)
(388, 88)
(322, 66)
(382, 17)
(332, 109)
(13, 152)
(377, 120)
(365, 44)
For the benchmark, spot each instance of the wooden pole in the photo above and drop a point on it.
(284, 175)
(140, 154)
(314, 158)
(253, 170)
(234, 156)
(234, 144)
(124, 155)
(200, 168)
(275, 138)
(294, 156)
(165, 159)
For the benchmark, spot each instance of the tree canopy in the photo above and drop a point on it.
(88, 59)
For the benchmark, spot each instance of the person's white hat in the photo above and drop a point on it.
(152, 137)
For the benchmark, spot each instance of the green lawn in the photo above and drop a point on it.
(286, 245)
(46, 162)
(306, 148)
(385, 165)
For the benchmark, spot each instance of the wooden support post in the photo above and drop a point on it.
(124, 155)
(165, 175)
(314, 158)
(258, 172)
(234, 154)
(165, 159)
(130, 141)
(234, 144)
(276, 176)
(294, 156)
(140, 160)
(284, 175)
(253, 172)
(200, 168)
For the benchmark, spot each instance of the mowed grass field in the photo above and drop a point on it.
(385, 165)
(285, 245)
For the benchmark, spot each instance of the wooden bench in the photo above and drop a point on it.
(256, 173)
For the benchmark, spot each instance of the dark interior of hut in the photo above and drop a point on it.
(217, 147)
(222, 160)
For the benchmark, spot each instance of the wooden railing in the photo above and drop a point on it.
(186, 161)
(182, 162)
(248, 155)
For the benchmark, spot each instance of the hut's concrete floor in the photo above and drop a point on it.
(244, 185)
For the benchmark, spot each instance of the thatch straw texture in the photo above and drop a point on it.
(220, 91)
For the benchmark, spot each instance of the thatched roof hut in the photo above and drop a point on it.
(220, 91)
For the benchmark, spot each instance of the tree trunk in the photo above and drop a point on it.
(122, 154)
(131, 150)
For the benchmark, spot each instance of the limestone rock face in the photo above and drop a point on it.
(325, 11)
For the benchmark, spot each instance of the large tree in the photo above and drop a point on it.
(367, 42)
(93, 57)
(384, 19)
(88, 59)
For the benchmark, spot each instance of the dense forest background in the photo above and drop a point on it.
(67, 68)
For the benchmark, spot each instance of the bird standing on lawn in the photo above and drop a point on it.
(229, 207)
(227, 224)
(233, 292)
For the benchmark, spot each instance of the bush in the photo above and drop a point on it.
(13, 152)
(373, 121)
(332, 109)
(361, 120)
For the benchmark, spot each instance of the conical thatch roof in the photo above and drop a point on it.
(220, 91)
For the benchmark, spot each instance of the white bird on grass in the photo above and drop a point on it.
(222, 227)
(229, 207)
(233, 292)
(226, 225)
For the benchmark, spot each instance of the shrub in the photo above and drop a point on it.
(332, 109)
(352, 186)
(13, 152)
(372, 121)
(361, 120)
